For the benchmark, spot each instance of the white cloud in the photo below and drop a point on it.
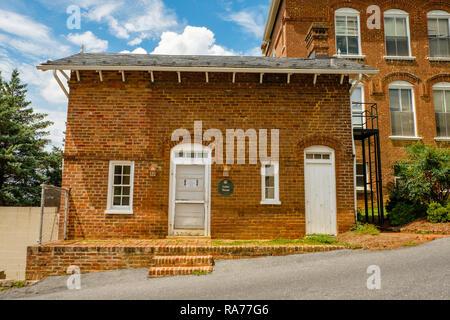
(193, 40)
(91, 42)
(147, 17)
(30, 38)
(135, 42)
(23, 26)
(256, 52)
(250, 20)
(135, 51)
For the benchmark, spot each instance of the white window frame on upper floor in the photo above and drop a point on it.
(110, 208)
(405, 85)
(276, 170)
(437, 14)
(397, 13)
(349, 12)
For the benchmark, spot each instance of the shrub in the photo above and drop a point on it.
(404, 213)
(425, 174)
(366, 229)
(437, 213)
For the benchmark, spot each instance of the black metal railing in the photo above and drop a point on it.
(366, 130)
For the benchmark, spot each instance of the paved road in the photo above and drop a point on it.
(411, 273)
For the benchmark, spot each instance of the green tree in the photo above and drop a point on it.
(425, 174)
(22, 142)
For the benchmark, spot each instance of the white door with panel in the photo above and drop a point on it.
(190, 197)
(189, 191)
(320, 190)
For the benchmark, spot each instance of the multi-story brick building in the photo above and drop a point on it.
(408, 42)
(129, 178)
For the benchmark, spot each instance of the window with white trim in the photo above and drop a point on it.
(401, 100)
(439, 33)
(396, 32)
(358, 108)
(441, 93)
(270, 183)
(360, 182)
(347, 30)
(120, 187)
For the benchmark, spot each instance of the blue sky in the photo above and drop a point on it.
(35, 31)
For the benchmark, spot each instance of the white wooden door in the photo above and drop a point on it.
(190, 205)
(320, 191)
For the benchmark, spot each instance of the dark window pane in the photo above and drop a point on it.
(126, 201)
(126, 180)
(126, 191)
(116, 201)
(270, 181)
(391, 49)
(444, 47)
(360, 181)
(117, 180)
(117, 169)
(434, 49)
(341, 43)
(270, 193)
(117, 191)
(402, 47)
(126, 169)
(359, 168)
(353, 47)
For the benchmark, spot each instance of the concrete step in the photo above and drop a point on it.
(182, 261)
(157, 272)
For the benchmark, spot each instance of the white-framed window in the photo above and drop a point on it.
(360, 176)
(441, 94)
(396, 33)
(120, 187)
(358, 109)
(270, 191)
(347, 31)
(439, 33)
(402, 108)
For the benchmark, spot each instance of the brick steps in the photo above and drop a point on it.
(166, 266)
(157, 272)
(182, 261)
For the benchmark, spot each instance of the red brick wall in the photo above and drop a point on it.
(134, 120)
(298, 16)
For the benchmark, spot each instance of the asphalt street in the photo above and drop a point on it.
(410, 273)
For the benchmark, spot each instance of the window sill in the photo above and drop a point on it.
(405, 138)
(439, 59)
(442, 139)
(118, 211)
(400, 58)
(275, 202)
(350, 56)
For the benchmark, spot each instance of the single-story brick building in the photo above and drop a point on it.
(131, 177)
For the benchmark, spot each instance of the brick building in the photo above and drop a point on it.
(410, 47)
(130, 179)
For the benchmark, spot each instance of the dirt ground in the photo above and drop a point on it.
(423, 226)
(386, 240)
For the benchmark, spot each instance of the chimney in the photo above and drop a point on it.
(317, 40)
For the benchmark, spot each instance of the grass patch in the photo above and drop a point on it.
(317, 239)
(410, 244)
(366, 229)
(1, 288)
(423, 232)
(200, 273)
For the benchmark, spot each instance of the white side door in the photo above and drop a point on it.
(320, 191)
